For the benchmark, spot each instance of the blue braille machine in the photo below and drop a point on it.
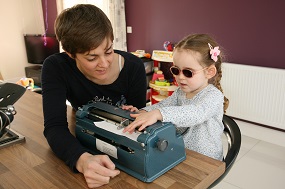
(144, 155)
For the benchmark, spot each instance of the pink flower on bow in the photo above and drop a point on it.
(214, 52)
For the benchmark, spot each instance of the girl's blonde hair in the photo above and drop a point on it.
(200, 43)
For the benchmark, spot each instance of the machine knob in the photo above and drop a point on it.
(162, 144)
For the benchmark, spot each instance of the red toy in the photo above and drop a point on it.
(168, 46)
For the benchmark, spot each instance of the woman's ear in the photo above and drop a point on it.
(211, 71)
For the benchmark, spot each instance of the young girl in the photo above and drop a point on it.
(196, 107)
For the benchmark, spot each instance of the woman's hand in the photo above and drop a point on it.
(143, 119)
(97, 169)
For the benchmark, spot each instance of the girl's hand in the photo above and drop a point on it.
(130, 108)
(143, 120)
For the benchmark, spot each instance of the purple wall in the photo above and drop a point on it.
(50, 13)
(251, 32)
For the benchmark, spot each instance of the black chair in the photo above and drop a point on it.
(233, 135)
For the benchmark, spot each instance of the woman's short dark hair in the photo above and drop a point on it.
(82, 28)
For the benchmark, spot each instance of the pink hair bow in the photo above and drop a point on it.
(214, 52)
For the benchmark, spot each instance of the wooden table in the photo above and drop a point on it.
(32, 164)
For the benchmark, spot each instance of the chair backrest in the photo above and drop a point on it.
(233, 134)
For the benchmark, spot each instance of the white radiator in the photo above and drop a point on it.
(256, 94)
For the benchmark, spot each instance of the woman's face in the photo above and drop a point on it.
(96, 64)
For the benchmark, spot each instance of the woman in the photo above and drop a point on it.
(89, 70)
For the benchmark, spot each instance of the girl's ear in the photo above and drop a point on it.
(211, 71)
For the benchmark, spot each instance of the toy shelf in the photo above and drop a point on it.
(158, 93)
(162, 56)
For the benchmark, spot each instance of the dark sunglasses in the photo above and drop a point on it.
(186, 72)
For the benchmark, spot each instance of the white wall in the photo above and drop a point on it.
(17, 17)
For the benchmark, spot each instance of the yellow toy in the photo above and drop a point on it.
(26, 82)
